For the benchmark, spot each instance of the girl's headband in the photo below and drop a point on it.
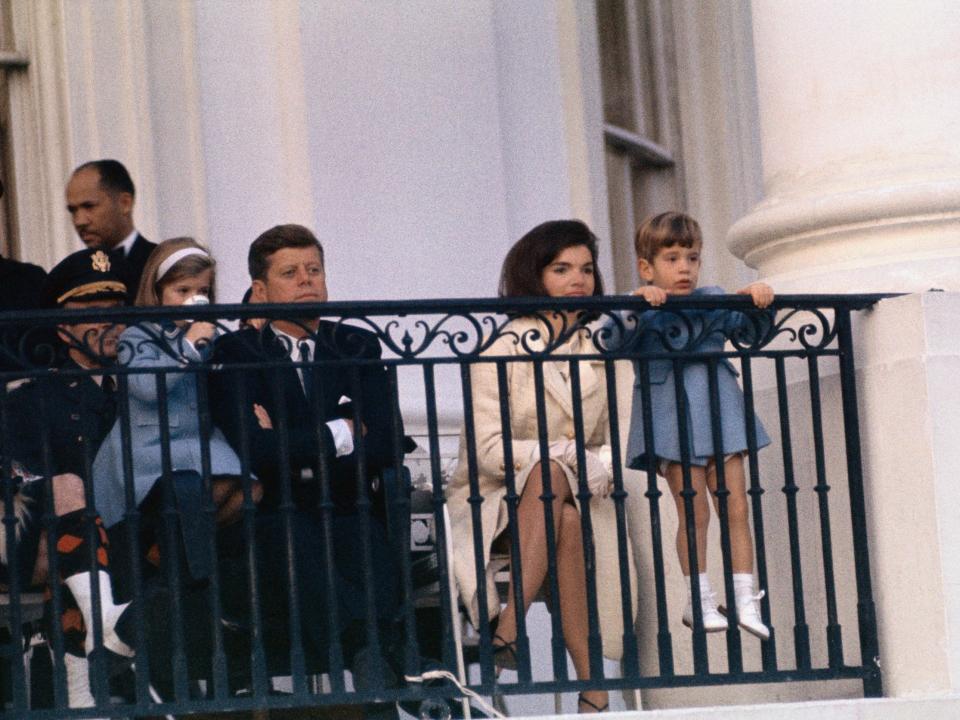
(173, 258)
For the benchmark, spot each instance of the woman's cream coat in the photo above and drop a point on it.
(526, 453)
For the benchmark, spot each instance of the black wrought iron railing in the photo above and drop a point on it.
(262, 547)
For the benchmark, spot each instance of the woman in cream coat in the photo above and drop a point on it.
(555, 259)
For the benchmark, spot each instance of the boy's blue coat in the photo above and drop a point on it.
(646, 333)
(139, 348)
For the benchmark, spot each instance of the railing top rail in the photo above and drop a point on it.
(428, 307)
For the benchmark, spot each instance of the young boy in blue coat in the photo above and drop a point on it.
(668, 259)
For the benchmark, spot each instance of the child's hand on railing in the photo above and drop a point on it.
(652, 294)
(761, 293)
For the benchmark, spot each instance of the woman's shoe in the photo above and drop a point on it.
(504, 654)
(590, 707)
(713, 621)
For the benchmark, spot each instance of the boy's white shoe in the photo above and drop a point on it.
(713, 621)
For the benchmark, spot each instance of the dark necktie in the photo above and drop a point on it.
(307, 371)
(109, 386)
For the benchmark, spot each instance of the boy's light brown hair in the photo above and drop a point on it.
(666, 230)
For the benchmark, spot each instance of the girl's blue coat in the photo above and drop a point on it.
(139, 348)
(646, 333)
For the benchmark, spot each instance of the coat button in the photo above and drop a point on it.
(74, 416)
(517, 466)
(571, 435)
(502, 466)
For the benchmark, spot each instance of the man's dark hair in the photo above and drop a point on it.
(277, 238)
(522, 273)
(114, 177)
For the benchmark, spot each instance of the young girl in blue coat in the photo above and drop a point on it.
(178, 272)
(668, 259)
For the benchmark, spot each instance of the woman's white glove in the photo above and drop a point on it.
(599, 474)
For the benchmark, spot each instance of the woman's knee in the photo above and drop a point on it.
(558, 481)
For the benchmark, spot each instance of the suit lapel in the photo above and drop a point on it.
(275, 348)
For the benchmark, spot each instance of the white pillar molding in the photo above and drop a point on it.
(107, 71)
(907, 364)
(39, 134)
(291, 104)
(178, 186)
(716, 92)
(859, 117)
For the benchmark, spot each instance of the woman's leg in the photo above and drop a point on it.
(532, 533)
(571, 578)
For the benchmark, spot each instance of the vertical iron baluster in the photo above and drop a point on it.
(411, 659)
(631, 660)
(171, 554)
(734, 650)
(558, 645)
(132, 527)
(594, 642)
(653, 495)
(869, 648)
(53, 559)
(447, 609)
(364, 508)
(476, 499)
(701, 663)
(768, 649)
(18, 677)
(99, 663)
(801, 632)
(287, 511)
(220, 680)
(258, 661)
(834, 637)
(326, 509)
(512, 500)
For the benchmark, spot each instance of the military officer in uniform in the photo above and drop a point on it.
(54, 425)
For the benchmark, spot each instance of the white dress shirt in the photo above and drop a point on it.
(127, 244)
(342, 435)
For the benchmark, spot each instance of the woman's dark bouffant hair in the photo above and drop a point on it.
(522, 273)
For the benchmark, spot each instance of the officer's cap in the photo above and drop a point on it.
(82, 277)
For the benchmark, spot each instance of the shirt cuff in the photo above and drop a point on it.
(342, 437)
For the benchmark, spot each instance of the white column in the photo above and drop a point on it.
(860, 120)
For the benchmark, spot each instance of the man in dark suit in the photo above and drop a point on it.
(317, 431)
(100, 199)
(20, 285)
